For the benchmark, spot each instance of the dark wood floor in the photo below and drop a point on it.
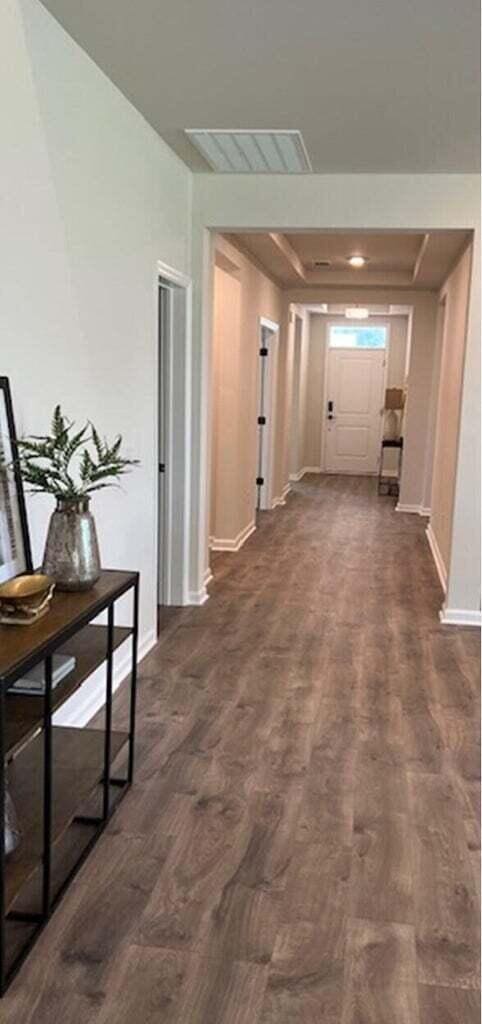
(301, 843)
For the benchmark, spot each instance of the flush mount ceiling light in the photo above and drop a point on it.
(357, 313)
(251, 152)
(357, 261)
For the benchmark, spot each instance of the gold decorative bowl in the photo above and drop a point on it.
(25, 598)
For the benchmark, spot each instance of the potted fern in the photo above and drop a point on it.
(71, 465)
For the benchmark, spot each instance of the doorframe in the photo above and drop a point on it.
(295, 389)
(334, 323)
(266, 495)
(177, 397)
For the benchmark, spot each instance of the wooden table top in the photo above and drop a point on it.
(24, 645)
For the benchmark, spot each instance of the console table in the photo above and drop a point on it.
(64, 782)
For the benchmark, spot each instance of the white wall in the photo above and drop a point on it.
(91, 199)
(330, 202)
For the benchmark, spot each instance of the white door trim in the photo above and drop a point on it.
(178, 437)
(334, 323)
(271, 381)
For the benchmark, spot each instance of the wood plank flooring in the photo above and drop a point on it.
(301, 843)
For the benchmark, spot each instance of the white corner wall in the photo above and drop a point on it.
(91, 199)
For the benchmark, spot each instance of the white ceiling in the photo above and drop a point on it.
(373, 85)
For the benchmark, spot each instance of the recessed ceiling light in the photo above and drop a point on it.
(357, 313)
(252, 152)
(357, 261)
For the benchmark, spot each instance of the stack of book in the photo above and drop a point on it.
(33, 683)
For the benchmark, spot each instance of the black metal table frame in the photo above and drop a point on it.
(46, 655)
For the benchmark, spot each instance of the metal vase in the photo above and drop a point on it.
(71, 551)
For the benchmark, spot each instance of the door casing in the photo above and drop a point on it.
(173, 532)
(265, 495)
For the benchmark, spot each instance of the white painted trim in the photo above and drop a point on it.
(208, 577)
(264, 499)
(281, 499)
(173, 275)
(226, 544)
(198, 597)
(296, 477)
(178, 454)
(460, 617)
(437, 557)
(270, 324)
(419, 510)
(90, 698)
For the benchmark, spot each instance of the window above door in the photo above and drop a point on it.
(344, 336)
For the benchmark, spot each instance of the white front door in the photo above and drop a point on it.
(353, 410)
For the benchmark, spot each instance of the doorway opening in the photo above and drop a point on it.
(173, 438)
(267, 391)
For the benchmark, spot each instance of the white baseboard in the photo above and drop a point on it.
(437, 557)
(228, 544)
(198, 597)
(419, 510)
(90, 698)
(296, 477)
(460, 617)
(208, 577)
(281, 500)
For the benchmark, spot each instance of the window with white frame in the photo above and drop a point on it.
(357, 336)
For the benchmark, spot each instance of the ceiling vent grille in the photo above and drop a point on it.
(321, 264)
(252, 152)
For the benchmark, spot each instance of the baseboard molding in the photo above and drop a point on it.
(208, 577)
(226, 544)
(296, 477)
(198, 597)
(419, 510)
(281, 500)
(460, 617)
(437, 557)
(90, 698)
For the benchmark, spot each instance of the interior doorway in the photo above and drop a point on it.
(266, 404)
(173, 437)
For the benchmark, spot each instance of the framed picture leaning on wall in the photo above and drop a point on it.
(15, 553)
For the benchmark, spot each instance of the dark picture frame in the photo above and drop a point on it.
(15, 549)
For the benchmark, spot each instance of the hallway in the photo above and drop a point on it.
(301, 842)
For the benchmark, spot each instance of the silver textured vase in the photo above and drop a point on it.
(71, 551)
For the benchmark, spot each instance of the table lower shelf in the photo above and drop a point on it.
(78, 768)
